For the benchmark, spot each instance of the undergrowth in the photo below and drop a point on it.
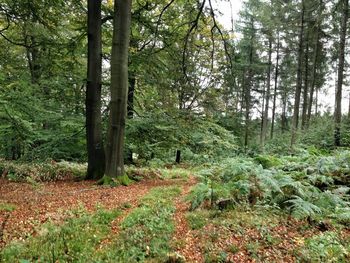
(76, 240)
(309, 185)
(145, 233)
(40, 172)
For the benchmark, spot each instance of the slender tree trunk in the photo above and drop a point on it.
(248, 93)
(95, 149)
(299, 79)
(130, 109)
(349, 109)
(314, 64)
(262, 113)
(119, 88)
(284, 123)
(338, 95)
(306, 85)
(316, 103)
(275, 88)
(268, 84)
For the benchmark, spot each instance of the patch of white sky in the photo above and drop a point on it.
(228, 11)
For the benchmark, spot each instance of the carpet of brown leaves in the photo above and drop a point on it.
(185, 243)
(37, 204)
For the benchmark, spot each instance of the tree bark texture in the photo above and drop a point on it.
(119, 89)
(95, 149)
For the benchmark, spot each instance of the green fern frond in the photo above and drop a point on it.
(301, 208)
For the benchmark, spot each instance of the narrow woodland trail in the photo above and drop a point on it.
(37, 204)
(184, 239)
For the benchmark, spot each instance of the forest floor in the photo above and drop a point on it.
(247, 235)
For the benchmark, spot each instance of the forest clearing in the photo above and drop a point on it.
(174, 131)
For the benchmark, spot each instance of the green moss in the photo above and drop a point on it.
(107, 180)
(124, 180)
(120, 180)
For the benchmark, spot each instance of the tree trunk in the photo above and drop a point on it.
(268, 81)
(314, 64)
(119, 88)
(130, 111)
(349, 109)
(262, 113)
(284, 122)
(247, 95)
(299, 79)
(275, 89)
(178, 157)
(306, 85)
(338, 95)
(95, 150)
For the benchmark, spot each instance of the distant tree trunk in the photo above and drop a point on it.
(341, 57)
(95, 149)
(178, 156)
(306, 85)
(284, 122)
(247, 95)
(275, 89)
(299, 78)
(130, 109)
(262, 112)
(316, 103)
(349, 109)
(314, 64)
(268, 84)
(119, 89)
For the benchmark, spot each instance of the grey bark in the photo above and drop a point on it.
(119, 89)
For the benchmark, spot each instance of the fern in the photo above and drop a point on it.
(342, 215)
(201, 193)
(301, 208)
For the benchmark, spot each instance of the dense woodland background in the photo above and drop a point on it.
(193, 85)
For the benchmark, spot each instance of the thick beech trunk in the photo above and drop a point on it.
(119, 89)
(95, 150)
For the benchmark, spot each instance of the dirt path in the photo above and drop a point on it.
(35, 205)
(184, 240)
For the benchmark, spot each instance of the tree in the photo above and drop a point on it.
(95, 149)
(341, 63)
(119, 89)
(299, 76)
